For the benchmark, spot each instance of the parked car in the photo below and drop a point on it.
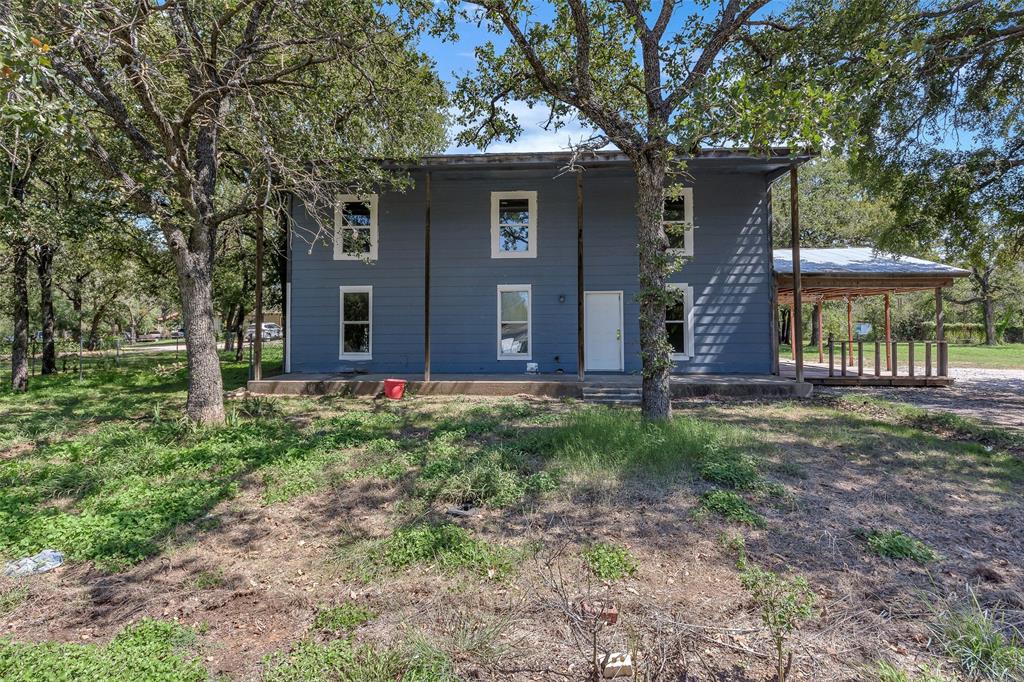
(271, 330)
(150, 336)
(178, 334)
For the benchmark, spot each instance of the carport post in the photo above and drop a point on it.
(821, 331)
(798, 328)
(940, 332)
(849, 326)
(888, 336)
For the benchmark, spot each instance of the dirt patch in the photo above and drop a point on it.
(251, 576)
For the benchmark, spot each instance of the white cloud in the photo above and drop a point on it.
(534, 137)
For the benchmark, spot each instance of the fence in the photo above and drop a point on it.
(940, 366)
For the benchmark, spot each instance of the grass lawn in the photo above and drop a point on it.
(1003, 356)
(455, 538)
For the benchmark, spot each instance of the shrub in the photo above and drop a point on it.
(895, 544)
(449, 546)
(345, 616)
(731, 506)
(783, 603)
(609, 562)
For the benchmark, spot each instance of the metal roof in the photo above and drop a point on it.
(736, 159)
(859, 261)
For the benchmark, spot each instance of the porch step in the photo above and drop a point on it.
(611, 394)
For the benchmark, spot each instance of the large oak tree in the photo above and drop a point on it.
(277, 97)
(657, 81)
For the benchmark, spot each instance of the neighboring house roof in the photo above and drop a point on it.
(859, 260)
(855, 272)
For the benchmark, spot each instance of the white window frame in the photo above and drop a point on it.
(528, 288)
(339, 244)
(342, 290)
(688, 307)
(531, 248)
(687, 250)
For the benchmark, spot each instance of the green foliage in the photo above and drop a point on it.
(150, 651)
(729, 468)
(835, 210)
(895, 544)
(609, 562)
(206, 580)
(492, 476)
(345, 616)
(619, 442)
(11, 598)
(885, 671)
(447, 546)
(340, 659)
(784, 603)
(731, 506)
(983, 644)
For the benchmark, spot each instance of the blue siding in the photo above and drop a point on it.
(730, 275)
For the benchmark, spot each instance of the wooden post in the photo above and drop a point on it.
(940, 331)
(794, 203)
(927, 358)
(842, 355)
(821, 329)
(878, 359)
(888, 335)
(910, 356)
(860, 358)
(257, 350)
(580, 372)
(943, 359)
(895, 362)
(792, 334)
(831, 357)
(426, 281)
(849, 325)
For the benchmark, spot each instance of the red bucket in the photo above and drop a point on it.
(394, 389)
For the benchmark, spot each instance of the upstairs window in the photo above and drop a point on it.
(514, 328)
(356, 323)
(513, 224)
(679, 322)
(355, 227)
(678, 220)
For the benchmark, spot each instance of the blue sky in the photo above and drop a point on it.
(456, 59)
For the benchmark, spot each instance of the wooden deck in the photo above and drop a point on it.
(817, 374)
(544, 385)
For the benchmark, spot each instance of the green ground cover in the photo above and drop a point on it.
(1003, 356)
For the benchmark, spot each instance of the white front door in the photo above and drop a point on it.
(602, 330)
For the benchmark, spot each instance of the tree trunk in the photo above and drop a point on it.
(229, 327)
(281, 264)
(19, 349)
(205, 402)
(94, 327)
(655, 351)
(240, 334)
(44, 269)
(989, 313)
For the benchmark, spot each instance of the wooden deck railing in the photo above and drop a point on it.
(846, 358)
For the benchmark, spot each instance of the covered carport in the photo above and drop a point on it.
(852, 273)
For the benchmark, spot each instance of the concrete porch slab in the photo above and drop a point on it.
(541, 385)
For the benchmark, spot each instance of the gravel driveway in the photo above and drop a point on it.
(990, 395)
